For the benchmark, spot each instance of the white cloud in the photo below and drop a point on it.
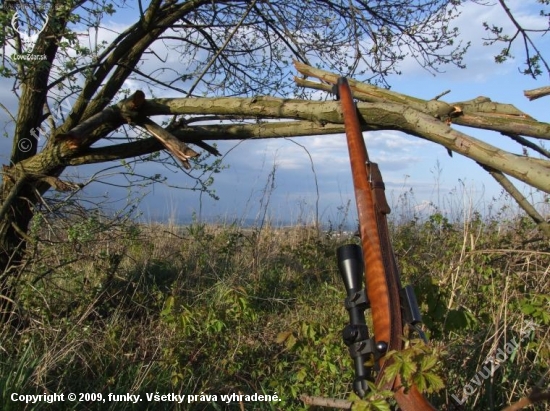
(480, 56)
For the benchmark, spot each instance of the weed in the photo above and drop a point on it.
(128, 308)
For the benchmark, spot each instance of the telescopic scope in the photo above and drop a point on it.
(356, 333)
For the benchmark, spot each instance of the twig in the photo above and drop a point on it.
(524, 142)
(8, 201)
(221, 49)
(315, 178)
(520, 199)
(441, 94)
(534, 397)
(326, 402)
(241, 404)
(9, 113)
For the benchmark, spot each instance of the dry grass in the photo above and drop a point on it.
(113, 306)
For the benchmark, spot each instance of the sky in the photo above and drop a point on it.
(289, 181)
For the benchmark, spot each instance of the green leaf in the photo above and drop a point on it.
(391, 371)
(290, 341)
(360, 406)
(380, 405)
(428, 362)
(301, 375)
(282, 337)
(421, 383)
(407, 369)
(435, 382)
(528, 309)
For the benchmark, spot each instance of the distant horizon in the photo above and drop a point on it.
(403, 210)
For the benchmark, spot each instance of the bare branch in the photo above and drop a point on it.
(7, 202)
(529, 144)
(480, 112)
(537, 93)
(326, 402)
(542, 224)
(195, 135)
(535, 397)
(178, 148)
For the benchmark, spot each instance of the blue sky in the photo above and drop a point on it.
(407, 163)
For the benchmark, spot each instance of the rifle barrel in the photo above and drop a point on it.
(381, 273)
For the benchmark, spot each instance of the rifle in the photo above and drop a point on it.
(392, 307)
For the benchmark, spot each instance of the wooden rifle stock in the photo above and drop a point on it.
(381, 272)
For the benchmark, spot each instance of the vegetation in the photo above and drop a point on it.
(74, 105)
(110, 306)
(99, 305)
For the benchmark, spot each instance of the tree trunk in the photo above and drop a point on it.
(12, 246)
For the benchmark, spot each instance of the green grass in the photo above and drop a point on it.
(127, 308)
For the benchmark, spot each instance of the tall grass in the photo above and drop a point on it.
(117, 307)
